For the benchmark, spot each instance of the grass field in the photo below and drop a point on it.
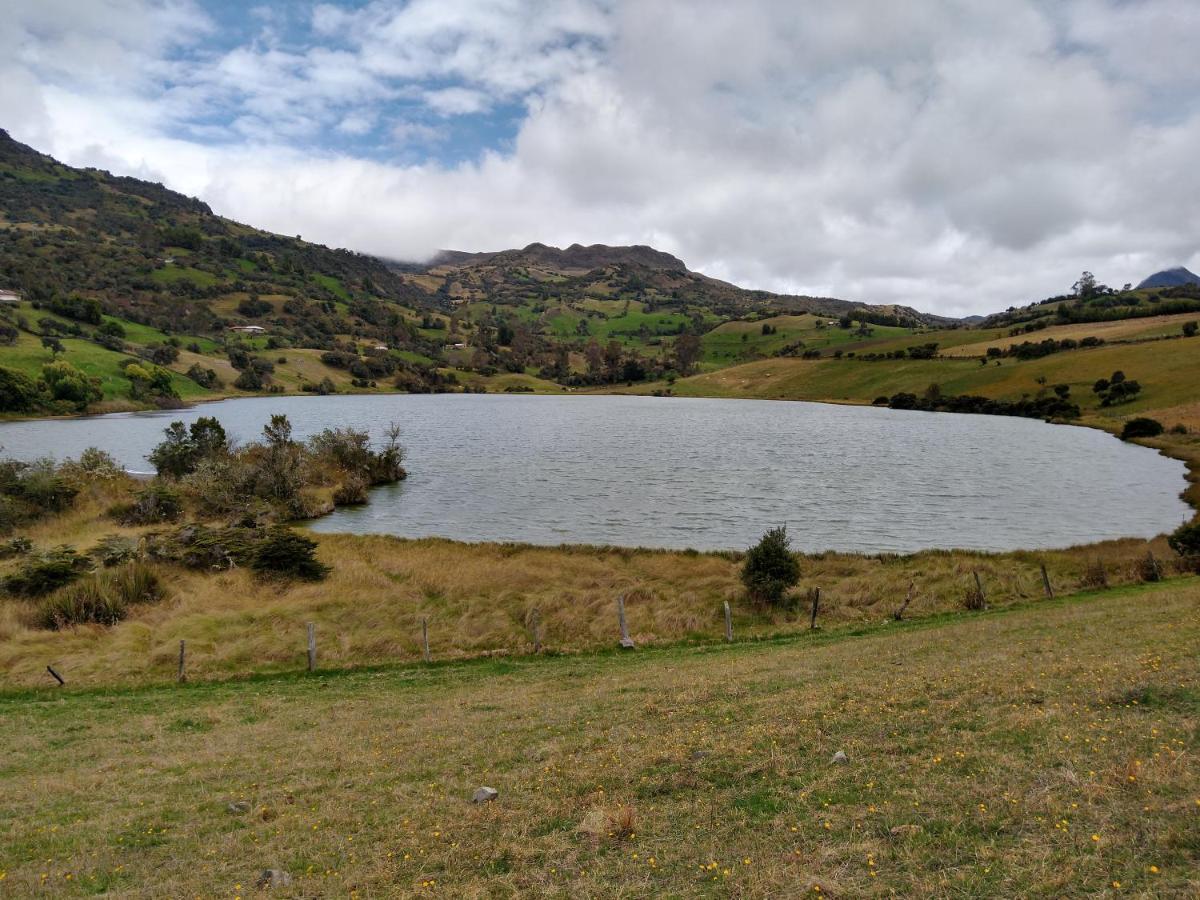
(1046, 750)
(479, 599)
(1167, 371)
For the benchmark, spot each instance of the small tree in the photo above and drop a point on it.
(771, 567)
(1141, 427)
(1190, 329)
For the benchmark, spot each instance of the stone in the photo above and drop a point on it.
(484, 795)
(840, 758)
(273, 878)
(628, 644)
(239, 807)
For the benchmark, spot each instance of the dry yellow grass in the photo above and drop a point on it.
(1047, 751)
(1120, 330)
(479, 599)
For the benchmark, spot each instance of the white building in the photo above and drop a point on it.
(11, 298)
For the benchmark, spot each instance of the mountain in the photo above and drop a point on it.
(1170, 278)
(576, 274)
(114, 271)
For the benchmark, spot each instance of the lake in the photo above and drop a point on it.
(707, 474)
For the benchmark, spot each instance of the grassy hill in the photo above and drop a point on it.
(1038, 751)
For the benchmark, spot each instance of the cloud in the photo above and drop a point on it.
(956, 155)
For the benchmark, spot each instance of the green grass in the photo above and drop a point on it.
(739, 341)
(171, 274)
(1166, 370)
(28, 356)
(1042, 751)
(333, 285)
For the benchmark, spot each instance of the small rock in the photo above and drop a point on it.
(239, 807)
(273, 878)
(840, 758)
(484, 795)
(907, 829)
(628, 644)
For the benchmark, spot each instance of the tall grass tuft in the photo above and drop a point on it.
(103, 598)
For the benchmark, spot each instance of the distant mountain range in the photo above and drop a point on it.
(1170, 278)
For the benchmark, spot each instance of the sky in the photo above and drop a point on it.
(958, 156)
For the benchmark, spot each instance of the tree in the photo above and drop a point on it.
(184, 448)
(1085, 288)
(1190, 329)
(770, 567)
(53, 344)
(65, 382)
(687, 352)
(18, 393)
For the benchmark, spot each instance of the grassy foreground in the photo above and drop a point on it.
(1047, 750)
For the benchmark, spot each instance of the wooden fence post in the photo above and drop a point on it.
(57, 677)
(979, 589)
(182, 664)
(312, 647)
(728, 624)
(626, 640)
(898, 615)
(815, 593)
(1046, 583)
(425, 640)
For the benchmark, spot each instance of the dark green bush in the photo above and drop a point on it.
(17, 546)
(1186, 539)
(154, 504)
(770, 568)
(284, 552)
(113, 549)
(1141, 427)
(46, 572)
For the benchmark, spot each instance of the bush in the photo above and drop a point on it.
(18, 393)
(1185, 540)
(284, 552)
(101, 599)
(84, 603)
(1141, 427)
(66, 383)
(770, 567)
(351, 492)
(113, 549)
(17, 546)
(154, 504)
(46, 572)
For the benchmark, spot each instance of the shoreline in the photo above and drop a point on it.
(1185, 451)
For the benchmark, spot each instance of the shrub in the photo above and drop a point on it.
(18, 393)
(113, 549)
(284, 552)
(17, 546)
(66, 383)
(1185, 540)
(154, 504)
(351, 492)
(184, 448)
(1141, 427)
(46, 572)
(1094, 576)
(78, 604)
(1190, 329)
(770, 567)
(102, 598)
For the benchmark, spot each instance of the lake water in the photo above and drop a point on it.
(708, 474)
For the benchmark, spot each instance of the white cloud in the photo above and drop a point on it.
(956, 155)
